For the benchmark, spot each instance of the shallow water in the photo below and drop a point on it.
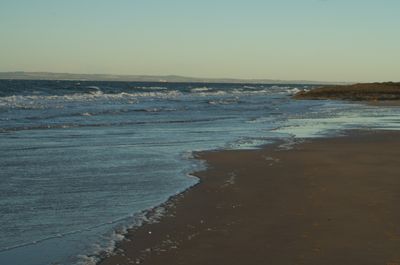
(79, 160)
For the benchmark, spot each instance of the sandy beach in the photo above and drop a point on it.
(327, 201)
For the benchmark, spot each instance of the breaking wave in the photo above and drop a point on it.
(38, 101)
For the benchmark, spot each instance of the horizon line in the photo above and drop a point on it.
(189, 78)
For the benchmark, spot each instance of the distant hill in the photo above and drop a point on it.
(363, 91)
(144, 78)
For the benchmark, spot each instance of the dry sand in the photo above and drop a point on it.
(328, 201)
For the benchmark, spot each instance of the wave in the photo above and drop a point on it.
(211, 93)
(252, 92)
(76, 125)
(154, 110)
(293, 90)
(151, 215)
(94, 87)
(40, 101)
(200, 89)
(245, 90)
(108, 241)
(150, 88)
(44, 117)
(98, 252)
(227, 101)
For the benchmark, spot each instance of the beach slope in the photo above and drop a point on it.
(327, 201)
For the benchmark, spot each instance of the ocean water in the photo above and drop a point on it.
(81, 161)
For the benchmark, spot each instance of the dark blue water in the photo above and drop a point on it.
(81, 161)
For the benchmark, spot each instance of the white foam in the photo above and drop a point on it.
(226, 101)
(211, 93)
(333, 118)
(40, 101)
(94, 87)
(200, 89)
(87, 260)
(293, 90)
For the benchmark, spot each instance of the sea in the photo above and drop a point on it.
(82, 161)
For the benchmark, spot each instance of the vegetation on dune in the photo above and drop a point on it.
(363, 91)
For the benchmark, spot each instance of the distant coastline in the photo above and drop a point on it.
(363, 91)
(148, 78)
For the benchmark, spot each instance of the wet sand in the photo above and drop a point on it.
(327, 201)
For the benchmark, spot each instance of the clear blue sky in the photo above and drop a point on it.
(331, 40)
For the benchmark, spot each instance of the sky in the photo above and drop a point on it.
(325, 40)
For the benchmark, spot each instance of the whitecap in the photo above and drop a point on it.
(227, 101)
(200, 89)
(41, 102)
(293, 90)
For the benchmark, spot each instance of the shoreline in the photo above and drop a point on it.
(240, 212)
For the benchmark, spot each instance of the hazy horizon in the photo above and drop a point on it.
(321, 40)
(51, 75)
